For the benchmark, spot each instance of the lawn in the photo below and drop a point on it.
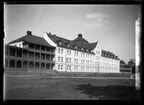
(69, 88)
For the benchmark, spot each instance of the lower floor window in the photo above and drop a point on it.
(61, 67)
(58, 67)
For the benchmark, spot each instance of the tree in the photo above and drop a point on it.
(131, 63)
(122, 63)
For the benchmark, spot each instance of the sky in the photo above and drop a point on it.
(112, 25)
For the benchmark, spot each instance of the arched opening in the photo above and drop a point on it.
(19, 65)
(24, 64)
(31, 65)
(12, 64)
(52, 66)
(37, 65)
(42, 65)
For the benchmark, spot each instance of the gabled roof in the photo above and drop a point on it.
(32, 39)
(109, 54)
(80, 42)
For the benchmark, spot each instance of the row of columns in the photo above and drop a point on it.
(40, 48)
(26, 64)
(32, 55)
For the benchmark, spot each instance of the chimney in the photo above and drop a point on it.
(79, 35)
(29, 33)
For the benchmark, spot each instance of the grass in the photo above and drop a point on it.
(69, 88)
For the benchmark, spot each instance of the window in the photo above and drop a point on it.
(61, 51)
(68, 45)
(70, 59)
(67, 52)
(61, 67)
(77, 60)
(58, 58)
(58, 67)
(62, 59)
(75, 47)
(70, 52)
(77, 53)
(60, 43)
(58, 50)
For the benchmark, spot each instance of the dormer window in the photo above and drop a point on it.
(68, 45)
(87, 50)
(75, 46)
(59, 42)
(82, 48)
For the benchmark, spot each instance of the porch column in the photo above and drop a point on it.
(15, 64)
(8, 51)
(50, 66)
(15, 52)
(8, 64)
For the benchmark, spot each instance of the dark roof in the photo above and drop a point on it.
(32, 39)
(109, 54)
(80, 42)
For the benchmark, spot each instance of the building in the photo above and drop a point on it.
(29, 53)
(76, 55)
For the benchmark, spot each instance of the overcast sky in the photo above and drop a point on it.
(112, 25)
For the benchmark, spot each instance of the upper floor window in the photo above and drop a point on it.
(58, 58)
(61, 51)
(58, 50)
(62, 59)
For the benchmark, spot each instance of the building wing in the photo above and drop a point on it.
(31, 39)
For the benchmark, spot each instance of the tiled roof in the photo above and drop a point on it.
(108, 54)
(80, 42)
(31, 39)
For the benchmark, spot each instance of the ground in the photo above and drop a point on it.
(51, 87)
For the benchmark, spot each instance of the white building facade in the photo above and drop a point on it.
(79, 55)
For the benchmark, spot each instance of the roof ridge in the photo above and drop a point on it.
(23, 37)
(58, 37)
